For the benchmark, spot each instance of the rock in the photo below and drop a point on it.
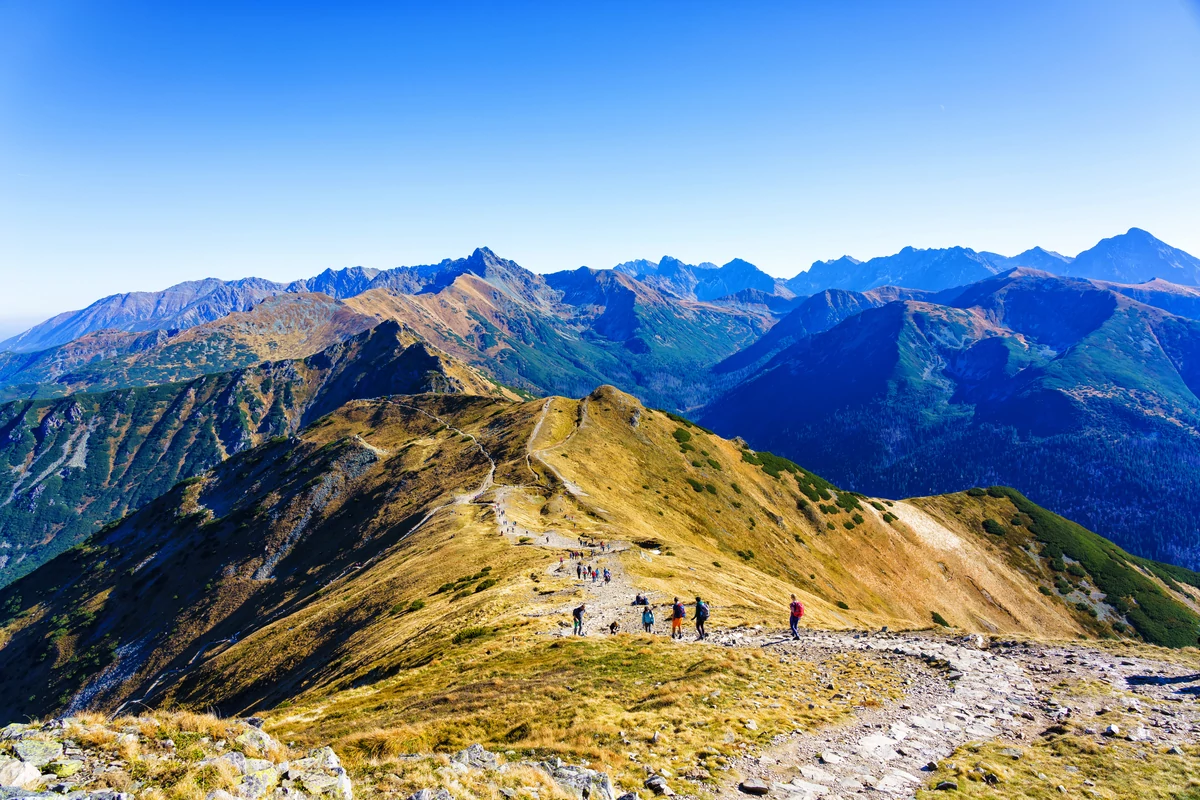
(219, 794)
(20, 774)
(476, 756)
(580, 782)
(65, 767)
(509, 793)
(947, 786)
(325, 758)
(261, 778)
(333, 787)
(255, 722)
(1112, 730)
(14, 730)
(38, 752)
(1140, 734)
(658, 785)
(829, 757)
(975, 641)
(754, 787)
(750, 725)
(432, 794)
(629, 796)
(256, 739)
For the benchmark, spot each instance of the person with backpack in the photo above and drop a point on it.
(678, 615)
(607, 575)
(797, 609)
(579, 571)
(648, 619)
(577, 616)
(701, 618)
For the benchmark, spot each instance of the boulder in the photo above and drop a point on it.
(256, 739)
(580, 782)
(658, 785)
(476, 756)
(65, 767)
(754, 787)
(14, 730)
(325, 758)
(19, 774)
(430, 794)
(38, 752)
(947, 786)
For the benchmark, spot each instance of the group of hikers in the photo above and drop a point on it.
(700, 615)
(588, 572)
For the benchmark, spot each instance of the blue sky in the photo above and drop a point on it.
(146, 143)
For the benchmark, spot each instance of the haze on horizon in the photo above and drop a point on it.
(143, 144)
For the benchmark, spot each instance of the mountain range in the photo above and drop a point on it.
(1133, 257)
(77, 462)
(1081, 396)
(356, 552)
(1080, 393)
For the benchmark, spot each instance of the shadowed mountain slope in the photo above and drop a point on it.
(1079, 396)
(79, 461)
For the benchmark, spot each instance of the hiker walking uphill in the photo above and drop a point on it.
(701, 618)
(797, 609)
(678, 615)
(577, 617)
(648, 620)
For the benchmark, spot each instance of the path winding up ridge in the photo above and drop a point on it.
(957, 690)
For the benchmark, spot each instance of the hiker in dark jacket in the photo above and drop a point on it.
(577, 615)
(701, 618)
(678, 615)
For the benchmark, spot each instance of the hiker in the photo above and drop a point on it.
(648, 620)
(615, 628)
(577, 615)
(797, 609)
(595, 575)
(701, 618)
(607, 575)
(678, 614)
(579, 572)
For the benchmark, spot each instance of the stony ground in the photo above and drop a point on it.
(959, 690)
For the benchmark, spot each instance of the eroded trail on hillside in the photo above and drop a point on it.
(956, 691)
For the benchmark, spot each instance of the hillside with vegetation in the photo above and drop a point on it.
(375, 530)
(1079, 396)
(285, 326)
(394, 579)
(77, 462)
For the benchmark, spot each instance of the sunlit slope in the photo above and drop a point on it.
(286, 326)
(363, 547)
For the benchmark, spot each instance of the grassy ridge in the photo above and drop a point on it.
(1159, 619)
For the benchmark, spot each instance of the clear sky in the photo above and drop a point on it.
(143, 143)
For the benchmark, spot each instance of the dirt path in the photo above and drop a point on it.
(956, 692)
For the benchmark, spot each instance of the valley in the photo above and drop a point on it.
(397, 581)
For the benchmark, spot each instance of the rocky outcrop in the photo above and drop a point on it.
(77, 759)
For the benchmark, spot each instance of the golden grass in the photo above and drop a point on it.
(593, 699)
(1115, 770)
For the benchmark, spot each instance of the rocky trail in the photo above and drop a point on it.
(957, 690)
